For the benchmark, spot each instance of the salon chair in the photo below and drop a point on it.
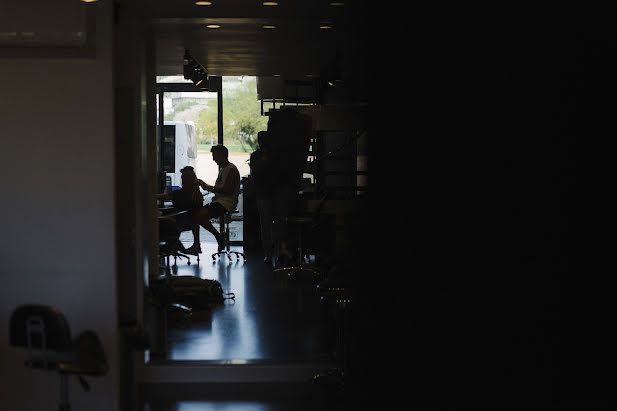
(170, 228)
(45, 333)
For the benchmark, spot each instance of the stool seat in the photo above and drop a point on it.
(45, 332)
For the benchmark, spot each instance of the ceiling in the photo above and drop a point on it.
(295, 50)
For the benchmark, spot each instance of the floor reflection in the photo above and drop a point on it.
(270, 319)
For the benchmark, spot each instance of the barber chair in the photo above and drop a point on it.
(186, 223)
(45, 333)
(169, 239)
(225, 219)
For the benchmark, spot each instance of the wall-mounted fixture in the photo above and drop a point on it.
(194, 71)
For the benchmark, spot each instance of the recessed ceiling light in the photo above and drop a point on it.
(325, 26)
(337, 3)
(213, 26)
(269, 26)
(89, 1)
(203, 3)
(270, 3)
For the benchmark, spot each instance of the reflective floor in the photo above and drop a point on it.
(271, 318)
(245, 398)
(272, 321)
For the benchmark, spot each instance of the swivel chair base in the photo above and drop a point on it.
(166, 251)
(226, 250)
(187, 254)
(291, 271)
(174, 268)
(228, 253)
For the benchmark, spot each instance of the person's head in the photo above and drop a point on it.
(219, 154)
(189, 179)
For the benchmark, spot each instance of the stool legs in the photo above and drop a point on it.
(300, 267)
(226, 250)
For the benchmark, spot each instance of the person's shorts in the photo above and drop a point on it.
(216, 209)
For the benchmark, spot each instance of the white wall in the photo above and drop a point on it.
(57, 211)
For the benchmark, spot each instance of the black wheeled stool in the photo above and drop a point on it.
(291, 271)
(226, 220)
(45, 332)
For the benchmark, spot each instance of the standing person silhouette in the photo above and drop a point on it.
(264, 179)
(226, 190)
(288, 142)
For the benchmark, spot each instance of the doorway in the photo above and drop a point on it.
(270, 319)
(180, 104)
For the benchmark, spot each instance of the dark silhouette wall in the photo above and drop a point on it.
(509, 182)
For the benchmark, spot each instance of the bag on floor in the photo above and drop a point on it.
(199, 293)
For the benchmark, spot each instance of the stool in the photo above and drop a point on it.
(226, 220)
(45, 333)
(300, 267)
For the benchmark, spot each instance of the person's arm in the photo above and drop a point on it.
(227, 186)
(205, 186)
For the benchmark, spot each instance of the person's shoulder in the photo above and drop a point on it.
(231, 168)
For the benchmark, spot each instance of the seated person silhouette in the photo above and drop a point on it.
(187, 198)
(226, 191)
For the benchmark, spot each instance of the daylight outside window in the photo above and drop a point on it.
(242, 120)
